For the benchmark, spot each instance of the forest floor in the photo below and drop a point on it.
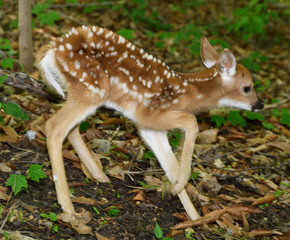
(243, 170)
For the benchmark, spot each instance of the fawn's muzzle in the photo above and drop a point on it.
(259, 105)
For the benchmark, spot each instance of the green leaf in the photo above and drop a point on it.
(219, 120)
(44, 215)
(7, 63)
(84, 126)
(285, 117)
(254, 116)
(2, 121)
(235, 118)
(2, 78)
(39, 8)
(158, 231)
(52, 216)
(148, 154)
(55, 228)
(126, 33)
(16, 182)
(267, 125)
(194, 175)
(35, 172)
(14, 110)
(275, 113)
(113, 211)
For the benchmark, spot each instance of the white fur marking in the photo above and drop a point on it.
(227, 102)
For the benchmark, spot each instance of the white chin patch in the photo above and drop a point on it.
(228, 102)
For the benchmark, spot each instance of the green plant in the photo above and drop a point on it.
(174, 138)
(126, 33)
(96, 210)
(11, 108)
(52, 217)
(44, 16)
(35, 172)
(238, 119)
(188, 235)
(235, 118)
(194, 175)
(16, 182)
(148, 154)
(219, 120)
(278, 193)
(84, 126)
(113, 211)
(144, 185)
(19, 182)
(283, 115)
(250, 21)
(158, 231)
(7, 61)
(254, 61)
(262, 206)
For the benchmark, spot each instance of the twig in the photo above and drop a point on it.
(225, 154)
(160, 171)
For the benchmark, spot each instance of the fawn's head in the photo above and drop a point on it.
(235, 80)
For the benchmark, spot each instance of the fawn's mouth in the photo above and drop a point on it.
(259, 105)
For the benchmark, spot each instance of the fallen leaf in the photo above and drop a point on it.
(139, 196)
(5, 168)
(262, 200)
(83, 200)
(3, 196)
(208, 218)
(207, 136)
(78, 221)
(180, 216)
(100, 237)
(264, 232)
(239, 209)
(9, 136)
(116, 171)
(281, 145)
(228, 198)
(150, 180)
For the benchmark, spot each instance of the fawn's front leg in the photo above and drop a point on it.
(158, 141)
(191, 132)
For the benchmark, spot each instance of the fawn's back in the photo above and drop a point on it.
(104, 65)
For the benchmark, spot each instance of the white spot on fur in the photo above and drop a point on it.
(61, 48)
(77, 65)
(199, 96)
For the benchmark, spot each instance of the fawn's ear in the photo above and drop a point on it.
(209, 56)
(226, 64)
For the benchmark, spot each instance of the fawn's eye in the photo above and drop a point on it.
(247, 90)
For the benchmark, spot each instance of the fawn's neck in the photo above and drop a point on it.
(204, 90)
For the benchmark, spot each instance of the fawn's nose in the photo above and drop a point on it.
(259, 105)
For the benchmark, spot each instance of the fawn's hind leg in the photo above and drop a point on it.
(95, 168)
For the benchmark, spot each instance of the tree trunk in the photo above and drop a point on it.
(25, 34)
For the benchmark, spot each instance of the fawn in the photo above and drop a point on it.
(95, 67)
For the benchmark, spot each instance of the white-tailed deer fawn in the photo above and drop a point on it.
(98, 67)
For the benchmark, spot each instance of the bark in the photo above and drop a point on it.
(25, 34)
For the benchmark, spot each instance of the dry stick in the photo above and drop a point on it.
(133, 159)
(225, 154)
(12, 207)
